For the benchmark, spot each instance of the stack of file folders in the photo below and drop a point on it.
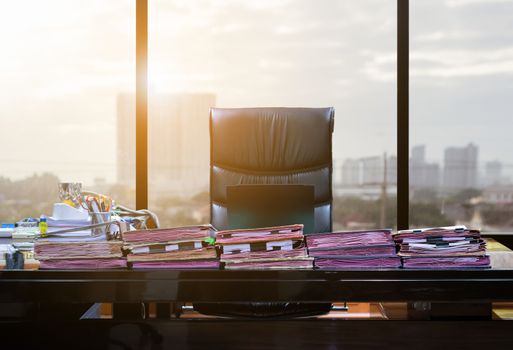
(279, 247)
(354, 249)
(442, 248)
(188, 247)
(79, 255)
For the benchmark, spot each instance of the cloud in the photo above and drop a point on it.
(441, 35)
(456, 3)
(441, 63)
(380, 66)
(447, 63)
(470, 70)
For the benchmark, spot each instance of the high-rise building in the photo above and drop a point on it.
(460, 167)
(493, 173)
(178, 142)
(422, 173)
(418, 154)
(431, 175)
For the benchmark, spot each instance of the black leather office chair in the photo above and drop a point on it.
(270, 146)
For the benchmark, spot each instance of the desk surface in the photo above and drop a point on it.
(224, 286)
(469, 285)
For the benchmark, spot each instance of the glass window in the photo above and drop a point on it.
(282, 53)
(461, 166)
(65, 67)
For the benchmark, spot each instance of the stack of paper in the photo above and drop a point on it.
(188, 247)
(78, 234)
(79, 255)
(440, 248)
(65, 217)
(6, 230)
(280, 247)
(354, 249)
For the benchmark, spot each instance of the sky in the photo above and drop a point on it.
(60, 73)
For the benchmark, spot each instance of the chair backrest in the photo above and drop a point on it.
(271, 146)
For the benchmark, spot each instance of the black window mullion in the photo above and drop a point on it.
(403, 147)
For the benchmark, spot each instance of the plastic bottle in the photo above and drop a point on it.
(43, 226)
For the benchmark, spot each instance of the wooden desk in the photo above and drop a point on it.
(449, 286)
(468, 285)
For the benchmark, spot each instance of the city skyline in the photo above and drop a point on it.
(461, 73)
(459, 169)
(490, 172)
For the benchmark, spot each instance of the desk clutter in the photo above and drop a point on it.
(281, 247)
(83, 232)
(89, 231)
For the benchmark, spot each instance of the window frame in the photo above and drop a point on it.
(402, 144)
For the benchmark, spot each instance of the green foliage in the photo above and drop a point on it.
(424, 195)
(356, 210)
(35, 195)
(464, 196)
(29, 197)
(427, 214)
(498, 216)
(348, 210)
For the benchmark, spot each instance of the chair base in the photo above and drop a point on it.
(263, 310)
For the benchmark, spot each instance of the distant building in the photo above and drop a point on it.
(363, 177)
(418, 154)
(431, 175)
(498, 195)
(422, 173)
(351, 172)
(373, 169)
(460, 167)
(493, 173)
(178, 142)
(392, 170)
(337, 176)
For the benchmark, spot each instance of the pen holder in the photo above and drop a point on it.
(100, 218)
